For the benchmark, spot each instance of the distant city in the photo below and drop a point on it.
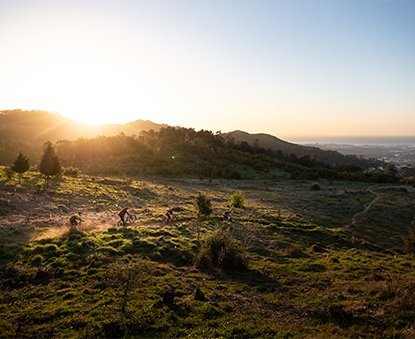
(399, 151)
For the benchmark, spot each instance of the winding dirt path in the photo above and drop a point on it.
(366, 208)
(372, 202)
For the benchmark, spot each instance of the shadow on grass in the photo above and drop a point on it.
(252, 278)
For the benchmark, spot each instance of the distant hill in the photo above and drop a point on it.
(39, 126)
(25, 131)
(268, 141)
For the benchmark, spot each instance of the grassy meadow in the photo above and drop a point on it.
(311, 271)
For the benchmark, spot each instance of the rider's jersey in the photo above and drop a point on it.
(123, 212)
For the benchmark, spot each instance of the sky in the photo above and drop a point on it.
(293, 69)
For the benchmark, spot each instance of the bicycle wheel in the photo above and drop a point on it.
(120, 223)
(133, 218)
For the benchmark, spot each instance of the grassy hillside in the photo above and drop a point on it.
(40, 126)
(310, 271)
(27, 130)
(271, 142)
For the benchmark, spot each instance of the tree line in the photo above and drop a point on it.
(176, 152)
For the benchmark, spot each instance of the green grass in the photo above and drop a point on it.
(61, 286)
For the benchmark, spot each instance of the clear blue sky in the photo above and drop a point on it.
(289, 68)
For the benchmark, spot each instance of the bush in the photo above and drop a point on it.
(37, 260)
(220, 251)
(237, 199)
(204, 205)
(71, 171)
(315, 187)
(409, 180)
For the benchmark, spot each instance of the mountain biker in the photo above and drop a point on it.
(76, 219)
(169, 215)
(227, 216)
(122, 214)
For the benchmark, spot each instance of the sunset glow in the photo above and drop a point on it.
(347, 69)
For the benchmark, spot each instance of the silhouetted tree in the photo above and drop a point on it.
(20, 165)
(49, 165)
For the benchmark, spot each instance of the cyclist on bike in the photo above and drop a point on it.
(122, 214)
(227, 214)
(169, 215)
(76, 219)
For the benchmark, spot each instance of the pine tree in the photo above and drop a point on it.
(20, 165)
(49, 165)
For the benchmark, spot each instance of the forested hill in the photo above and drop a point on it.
(184, 152)
(26, 131)
(35, 127)
(268, 141)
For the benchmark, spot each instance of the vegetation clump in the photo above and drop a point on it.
(204, 205)
(237, 199)
(315, 187)
(71, 171)
(125, 277)
(221, 251)
(20, 165)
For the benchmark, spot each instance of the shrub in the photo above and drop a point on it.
(71, 171)
(126, 276)
(37, 260)
(315, 187)
(409, 180)
(204, 205)
(220, 251)
(237, 199)
(8, 173)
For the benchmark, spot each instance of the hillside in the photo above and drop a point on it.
(40, 126)
(319, 263)
(268, 141)
(26, 131)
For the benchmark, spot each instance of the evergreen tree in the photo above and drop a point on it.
(20, 165)
(49, 165)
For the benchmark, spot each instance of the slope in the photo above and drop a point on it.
(268, 141)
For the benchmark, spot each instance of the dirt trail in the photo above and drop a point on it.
(367, 207)
(408, 189)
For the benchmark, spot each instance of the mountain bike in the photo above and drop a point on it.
(128, 220)
(75, 225)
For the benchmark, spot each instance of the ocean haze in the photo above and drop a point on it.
(360, 140)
